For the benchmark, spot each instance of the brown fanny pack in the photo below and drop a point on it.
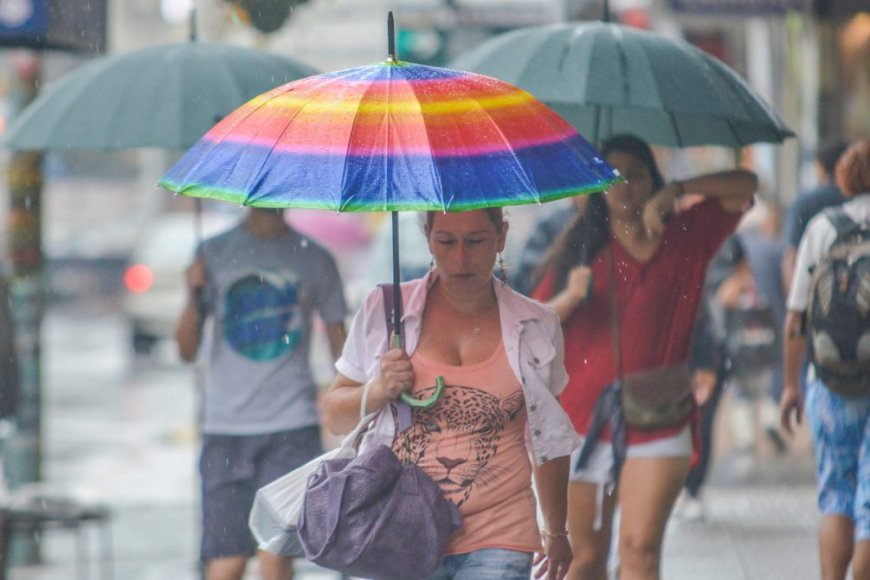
(658, 398)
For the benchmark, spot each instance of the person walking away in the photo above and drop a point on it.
(647, 267)
(259, 285)
(828, 310)
(811, 202)
(501, 357)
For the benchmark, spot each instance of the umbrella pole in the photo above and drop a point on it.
(397, 279)
(396, 339)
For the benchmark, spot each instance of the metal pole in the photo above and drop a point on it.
(23, 453)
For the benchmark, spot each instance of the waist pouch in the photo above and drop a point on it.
(647, 400)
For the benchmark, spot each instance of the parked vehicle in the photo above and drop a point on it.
(154, 288)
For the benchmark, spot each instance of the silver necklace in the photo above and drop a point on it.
(477, 317)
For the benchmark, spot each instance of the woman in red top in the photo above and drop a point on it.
(658, 265)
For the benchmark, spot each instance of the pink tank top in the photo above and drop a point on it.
(472, 443)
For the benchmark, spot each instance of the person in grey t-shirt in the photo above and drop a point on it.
(259, 285)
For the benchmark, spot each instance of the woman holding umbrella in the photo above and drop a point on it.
(501, 356)
(626, 282)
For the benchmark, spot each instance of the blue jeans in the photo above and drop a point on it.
(487, 564)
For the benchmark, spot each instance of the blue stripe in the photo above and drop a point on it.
(259, 176)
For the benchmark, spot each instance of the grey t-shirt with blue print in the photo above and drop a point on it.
(262, 295)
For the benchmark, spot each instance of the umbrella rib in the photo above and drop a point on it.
(438, 183)
(532, 189)
(677, 134)
(342, 203)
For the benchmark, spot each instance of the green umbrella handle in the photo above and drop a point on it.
(425, 403)
(396, 342)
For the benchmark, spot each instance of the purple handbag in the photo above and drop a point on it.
(373, 517)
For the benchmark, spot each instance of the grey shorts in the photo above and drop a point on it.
(232, 469)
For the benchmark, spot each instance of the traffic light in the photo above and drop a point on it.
(266, 15)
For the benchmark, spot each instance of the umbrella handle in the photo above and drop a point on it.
(396, 342)
(426, 403)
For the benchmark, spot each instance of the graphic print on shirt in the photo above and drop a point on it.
(455, 440)
(263, 320)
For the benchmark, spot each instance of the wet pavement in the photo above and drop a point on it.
(121, 432)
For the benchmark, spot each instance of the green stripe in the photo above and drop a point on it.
(238, 197)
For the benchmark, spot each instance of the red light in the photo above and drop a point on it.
(138, 278)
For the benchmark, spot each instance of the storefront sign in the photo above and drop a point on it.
(741, 7)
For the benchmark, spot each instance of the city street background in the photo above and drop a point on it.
(121, 430)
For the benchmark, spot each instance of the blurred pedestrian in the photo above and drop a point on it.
(540, 243)
(757, 366)
(501, 357)
(709, 370)
(839, 420)
(825, 194)
(257, 287)
(646, 268)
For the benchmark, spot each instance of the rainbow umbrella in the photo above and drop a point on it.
(393, 136)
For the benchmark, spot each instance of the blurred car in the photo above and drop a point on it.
(154, 284)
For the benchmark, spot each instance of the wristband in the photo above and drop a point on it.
(547, 534)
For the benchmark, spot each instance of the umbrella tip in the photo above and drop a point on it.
(391, 37)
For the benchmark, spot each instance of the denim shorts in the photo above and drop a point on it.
(486, 564)
(840, 428)
(233, 468)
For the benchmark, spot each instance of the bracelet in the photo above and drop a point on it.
(547, 534)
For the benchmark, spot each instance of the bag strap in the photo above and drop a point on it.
(614, 313)
(843, 224)
(403, 410)
(389, 304)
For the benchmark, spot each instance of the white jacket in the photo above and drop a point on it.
(533, 342)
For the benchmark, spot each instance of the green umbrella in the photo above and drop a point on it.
(166, 96)
(607, 79)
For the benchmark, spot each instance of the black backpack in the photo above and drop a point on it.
(838, 312)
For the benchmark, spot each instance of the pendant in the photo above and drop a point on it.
(475, 330)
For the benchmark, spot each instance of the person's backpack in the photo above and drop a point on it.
(838, 312)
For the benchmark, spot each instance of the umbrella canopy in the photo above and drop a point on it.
(388, 137)
(607, 79)
(166, 96)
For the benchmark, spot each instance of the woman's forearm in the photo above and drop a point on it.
(564, 304)
(733, 188)
(551, 479)
(342, 404)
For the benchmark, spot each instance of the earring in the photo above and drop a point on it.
(432, 262)
(502, 275)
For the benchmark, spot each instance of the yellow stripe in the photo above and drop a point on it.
(317, 104)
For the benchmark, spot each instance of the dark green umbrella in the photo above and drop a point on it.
(607, 79)
(165, 96)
